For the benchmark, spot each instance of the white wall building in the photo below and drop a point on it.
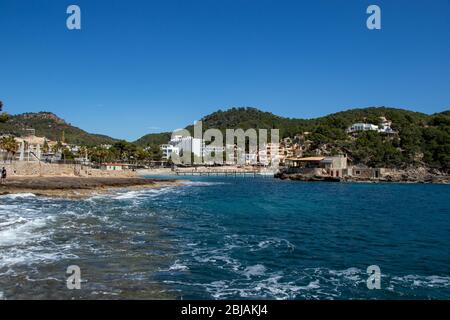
(114, 166)
(190, 145)
(362, 127)
(168, 150)
(384, 127)
(211, 152)
(182, 145)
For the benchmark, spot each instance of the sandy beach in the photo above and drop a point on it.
(78, 187)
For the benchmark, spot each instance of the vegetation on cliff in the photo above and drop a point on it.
(421, 140)
(48, 125)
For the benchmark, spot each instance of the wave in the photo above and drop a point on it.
(12, 222)
(27, 227)
(414, 281)
(253, 271)
(18, 195)
(259, 281)
(21, 231)
(33, 256)
(274, 242)
(177, 266)
(125, 194)
(318, 283)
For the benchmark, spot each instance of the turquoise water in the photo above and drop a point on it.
(231, 238)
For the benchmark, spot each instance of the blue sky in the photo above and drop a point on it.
(147, 66)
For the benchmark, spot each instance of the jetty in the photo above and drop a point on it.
(228, 173)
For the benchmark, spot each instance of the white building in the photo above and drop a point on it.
(190, 145)
(272, 153)
(168, 150)
(362, 127)
(251, 158)
(182, 145)
(114, 166)
(211, 152)
(32, 148)
(384, 127)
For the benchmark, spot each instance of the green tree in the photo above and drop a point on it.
(10, 145)
(4, 117)
(67, 154)
(45, 147)
(155, 152)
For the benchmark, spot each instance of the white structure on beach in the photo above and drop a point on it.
(114, 166)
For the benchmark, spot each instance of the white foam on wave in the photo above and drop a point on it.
(18, 196)
(21, 231)
(26, 230)
(257, 281)
(418, 281)
(177, 266)
(12, 222)
(270, 287)
(8, 207)
(352, 274)
(126, 194)
(253, 271)
(32, 255)
(274, 242)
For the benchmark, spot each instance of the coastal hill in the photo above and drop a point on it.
(51, 126)
(421, 140)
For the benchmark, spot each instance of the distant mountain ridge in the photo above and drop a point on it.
(51, 126)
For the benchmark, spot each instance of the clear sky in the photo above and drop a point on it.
(147, 66)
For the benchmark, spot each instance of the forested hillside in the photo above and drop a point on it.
(49, 125)
(422, 139)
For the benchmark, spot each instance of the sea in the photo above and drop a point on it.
(230, 238)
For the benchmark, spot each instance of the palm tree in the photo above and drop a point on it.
(45, 147)
(2, 146)
(57, 147)
(10, 145)
(82, 153)
(1, 105)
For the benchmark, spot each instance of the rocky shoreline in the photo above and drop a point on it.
(78, 187)
(401, 178)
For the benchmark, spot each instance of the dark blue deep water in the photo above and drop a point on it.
(231, 238)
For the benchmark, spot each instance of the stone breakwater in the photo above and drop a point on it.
(409, 175)
(78, 187)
